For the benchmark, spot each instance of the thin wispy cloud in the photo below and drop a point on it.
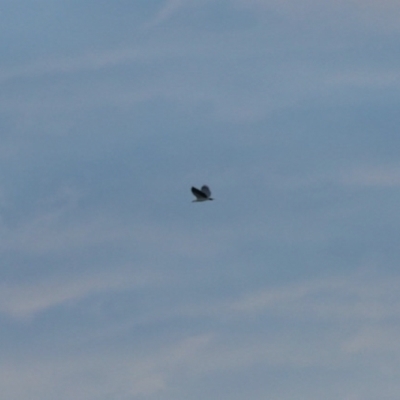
(24, 301)
(91, 61)
(355, 297)
(367, 79)
(339, 347)
(373, 176)
(167, 10)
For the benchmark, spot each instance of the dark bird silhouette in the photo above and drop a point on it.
(202, 194)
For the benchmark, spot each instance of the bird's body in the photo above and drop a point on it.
(202, 194)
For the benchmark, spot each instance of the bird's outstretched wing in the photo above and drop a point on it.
(199, 193)
(206, 190)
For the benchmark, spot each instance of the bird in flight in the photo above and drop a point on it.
(202, 194)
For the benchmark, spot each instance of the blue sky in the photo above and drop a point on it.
(114, 285)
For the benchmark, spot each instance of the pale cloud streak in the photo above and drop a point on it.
(169, 8)
(23, 301)
(353, 297)
(372, 176)
(90, 61)
(131, 375)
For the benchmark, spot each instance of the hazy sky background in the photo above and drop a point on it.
(114, 285)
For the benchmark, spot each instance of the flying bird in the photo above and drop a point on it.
(202, 194)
